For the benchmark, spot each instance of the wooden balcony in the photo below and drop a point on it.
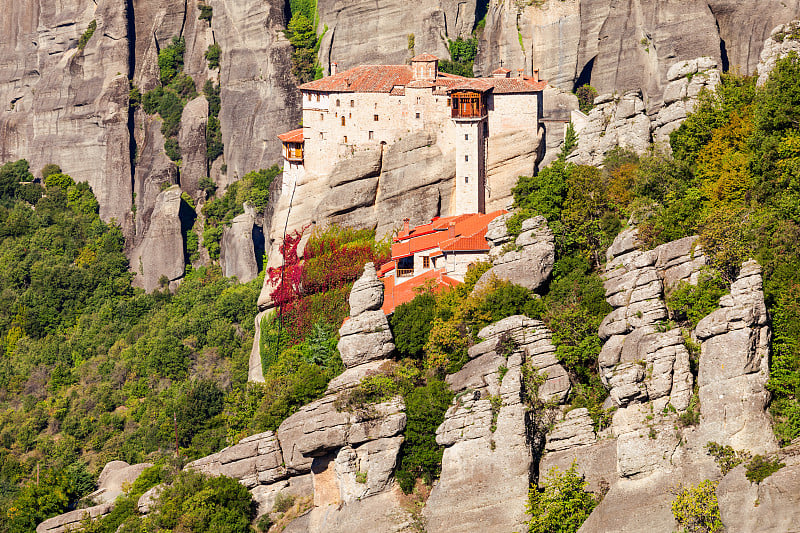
(294, 153)
(468, 105)
(405, 272)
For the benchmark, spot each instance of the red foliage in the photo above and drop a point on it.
(316, 288)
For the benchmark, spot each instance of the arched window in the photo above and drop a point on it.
(338, 103)
(342, 121)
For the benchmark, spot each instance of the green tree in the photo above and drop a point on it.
(170, 59)
(563, 505)
(411, 323)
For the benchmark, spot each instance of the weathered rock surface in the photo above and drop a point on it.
(238, 256)
(365, 338)
(628, 122)
(487, 432)
(367, 292)
(734, 366)
(113, 480)
(192, 141)
(529, 263)
(160, 252)
(361, 32)
(770, 506)
(782, 41)
(64, 105)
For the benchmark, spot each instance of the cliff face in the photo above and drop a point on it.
(627, 45)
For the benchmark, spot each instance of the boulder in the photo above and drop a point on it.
(114, 479)
(237, 254)
(365, 338)
(367, 292)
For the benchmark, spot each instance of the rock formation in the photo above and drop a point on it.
(354, 34)
(530, 259)
(489, 434)
(783, 40)
(113, 481)
(624, 121)
(238, 254)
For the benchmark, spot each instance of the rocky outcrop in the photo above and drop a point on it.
(734, 366)
(488, 434)
(160, 252)
(353, 33)
(113, 481)
(526, 261)
(192, 140)
(65, 105)
(782, 41)
(238, 256)
(626, 121)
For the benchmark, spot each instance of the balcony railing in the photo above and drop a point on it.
(405, 272)
(294, 154)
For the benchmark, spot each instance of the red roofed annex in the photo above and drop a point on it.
(438, 252)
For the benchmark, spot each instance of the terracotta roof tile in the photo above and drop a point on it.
(364, 79)
(468, 234)
(425, 57)
(500, 85)
(294, 136)
(398, 294)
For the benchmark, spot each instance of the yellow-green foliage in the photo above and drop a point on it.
(696, 509)
(563, 505)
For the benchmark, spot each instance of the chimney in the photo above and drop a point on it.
(334, 68)
(520, 72)
(536, 74)
(451, 231)
(406, 226)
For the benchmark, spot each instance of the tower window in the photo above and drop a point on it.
(317, 97)
(466, 136)
(321, 117)
(343, 123)
(338, 103)
(419, 99)
(466, 179)
(466, 158)
(375, 118)
(321, 136)
(352, 103)
(371, 135)
(417, 115)
(345, 139)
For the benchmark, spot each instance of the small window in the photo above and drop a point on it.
(371, 135)
(417, 115)
(321, 136)
(349, 115)
(375, 118)
(345, 139)
(466, 179)
(449, 102)
(343, 123)
(338, 103)
(426, 261)
(317, 97)
(466, 136)
(466, 158)
(321, 117)
(419, 99)
(352, 103)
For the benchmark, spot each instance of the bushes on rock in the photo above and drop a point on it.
(696, 509)
(562, 505)
(760, 468)
(586, 95)
(420, 456)
(689, 303)
(212, 55)
(84, 40)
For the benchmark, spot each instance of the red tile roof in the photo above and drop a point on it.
(394, 295)
(500, 85)
(467, 235)
(501, 71)
(387, 267)
(363, 79)
(425, 57)
(294, 136)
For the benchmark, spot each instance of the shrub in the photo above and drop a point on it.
(586, 95)
(726, 457)
(84, 40)
(411, 323)
(283, 502)
(690, 303)
(420, 456)
(212, 55)
(49, 169)
(759, 468)
(206, 12)
(563, 505)
(170, 59)
(696, 509)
